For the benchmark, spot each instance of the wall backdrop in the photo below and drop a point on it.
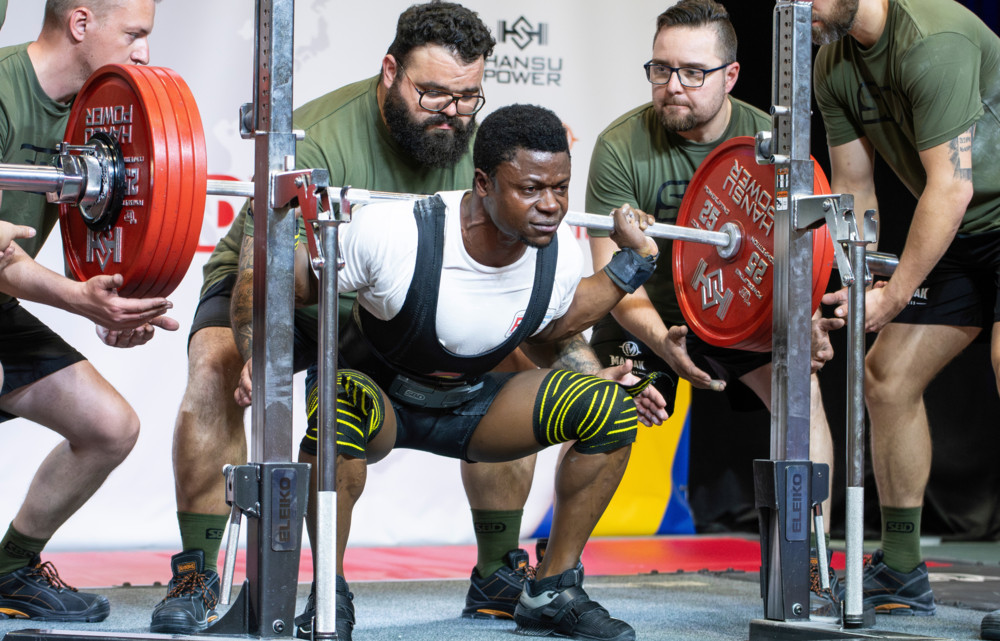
(581, 59)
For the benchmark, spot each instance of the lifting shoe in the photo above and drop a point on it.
(192, 595)
(559, 606)
(36, 592)
(495, 596)
(345, 613)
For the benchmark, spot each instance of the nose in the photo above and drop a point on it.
(451, 110)
(548, 202)
(674, 82)
(140, 52)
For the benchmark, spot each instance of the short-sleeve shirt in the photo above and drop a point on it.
(637, 161)
(933, 74)
(31, 124)
(345, 134)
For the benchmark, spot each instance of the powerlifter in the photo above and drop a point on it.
(501, 272)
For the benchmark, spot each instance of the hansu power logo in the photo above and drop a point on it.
(522, 32)
(511, 64)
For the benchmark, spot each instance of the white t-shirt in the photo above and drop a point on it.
(478, 306)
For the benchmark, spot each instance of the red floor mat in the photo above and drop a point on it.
(602, 557)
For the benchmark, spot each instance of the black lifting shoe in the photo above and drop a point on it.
(559, 606)
(824, 604)
(495, 596)
(192, 595)
(345, 613)
(36, 592)
(892, 592)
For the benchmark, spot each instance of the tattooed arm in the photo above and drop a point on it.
(241, 305)
(939, 213)
(572, 353)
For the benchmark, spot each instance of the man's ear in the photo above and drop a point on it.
(482, 184)
(78, 21)
(390, 67)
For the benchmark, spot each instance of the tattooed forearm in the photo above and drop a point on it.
(576, 354)
(960, 152)
(241, 306)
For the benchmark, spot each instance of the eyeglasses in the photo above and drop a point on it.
(434, 100)
(689, 76)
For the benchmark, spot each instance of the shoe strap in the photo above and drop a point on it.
(567, 608)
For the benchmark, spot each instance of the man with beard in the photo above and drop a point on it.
(917, 81)
(645, 159)
(409, 130)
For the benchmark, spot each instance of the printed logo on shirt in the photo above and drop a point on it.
(668, 200)
(875, 103)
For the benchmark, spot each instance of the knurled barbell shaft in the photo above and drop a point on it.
(44, 178)
(579, 219)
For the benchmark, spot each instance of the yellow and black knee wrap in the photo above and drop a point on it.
(360, 414)
(598, 414)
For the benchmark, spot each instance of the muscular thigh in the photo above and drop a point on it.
(906, 356)
(506, 431)
(73, 401)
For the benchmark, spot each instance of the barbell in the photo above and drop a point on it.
(131, 178)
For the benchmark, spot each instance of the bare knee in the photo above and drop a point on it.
(883, 386)
(112, 433)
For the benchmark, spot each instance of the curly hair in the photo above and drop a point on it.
(701, 13)
(446, 24)
(515, 127)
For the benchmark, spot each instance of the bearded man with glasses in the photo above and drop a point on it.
(645, 159)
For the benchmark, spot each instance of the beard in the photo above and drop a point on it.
(436, 148)
(685, 122)
(837, 25)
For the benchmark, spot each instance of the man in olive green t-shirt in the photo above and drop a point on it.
(918, 82)
(45, 380)
(375, 134)
(646, 159)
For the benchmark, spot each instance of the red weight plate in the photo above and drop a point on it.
(111, 101)
(728, 302)
(162, 117)
(194, 172)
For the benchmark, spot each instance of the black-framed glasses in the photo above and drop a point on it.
(692, 77)
(434, 100)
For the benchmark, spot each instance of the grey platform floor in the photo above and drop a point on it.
(685, 606)
(678, 607)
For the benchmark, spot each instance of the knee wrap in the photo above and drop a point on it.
(360, 413)
(597, 413)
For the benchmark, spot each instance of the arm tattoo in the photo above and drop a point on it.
(956, 148)
(241, 306)
(576, 354)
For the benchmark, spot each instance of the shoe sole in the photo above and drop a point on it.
(529, 630)
(487, 614)
(895, 608)
(166, 628)
(991, 632)
(96, 616)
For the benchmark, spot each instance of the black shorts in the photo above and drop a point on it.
(213, 311)
(962, 288)
(613, 345)
(29, 350)
(445, 432)
(213, 308)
